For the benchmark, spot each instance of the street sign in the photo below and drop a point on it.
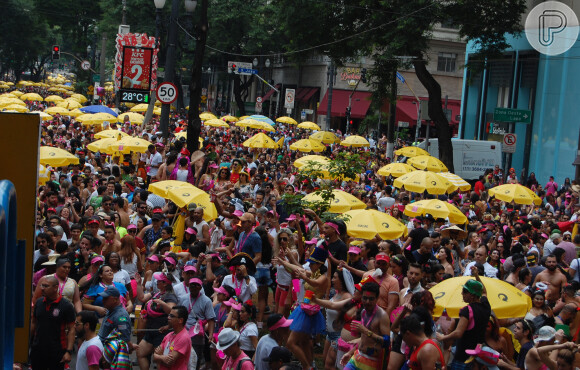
(236, 66)
(247, 71)
(259, 99)
(512, 115)
(308, 111)
(91, 89)
(258, 106)
(303, 115)
(86, 65)
(509, 143)
(96, 78)
(403, 124)
(289, 98)
(167, 92)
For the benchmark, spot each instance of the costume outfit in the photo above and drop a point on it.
(309, 321)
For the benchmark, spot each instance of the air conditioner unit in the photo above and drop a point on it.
(124, 29)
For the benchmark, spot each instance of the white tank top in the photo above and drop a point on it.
(130, 267)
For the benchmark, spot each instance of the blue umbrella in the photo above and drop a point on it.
(261, 118)
(98, 109)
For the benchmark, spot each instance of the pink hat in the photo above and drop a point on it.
(213, 165)
(190, 268)
(154, 258)
(96, 259)
(282, 323)
(311, 241)
(355, 250)
(217, 256)
(159, 276)
(238, 213)
(222, 290)
(170, 260)
(131, 227)
(291, 218)
(195, 281)
(230, 302)
(191, 231)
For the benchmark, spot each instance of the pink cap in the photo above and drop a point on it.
(96, 259)
(222, 290)
(545, 236)
(190, 268)
(131, 227)
(213, 165)
(282, 323)
(291, 218)
(354, 250)
(191, 231)
(170, 260)
(238, 213)
(311, 241)
(195, 281)
(159, 276)
(154, 258)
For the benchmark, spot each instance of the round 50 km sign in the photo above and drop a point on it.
(167, 93)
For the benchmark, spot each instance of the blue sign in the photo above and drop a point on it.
(400, 77)
(248, 71)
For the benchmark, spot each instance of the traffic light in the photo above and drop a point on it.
(363, 75)
(233, 69)
(55, 52)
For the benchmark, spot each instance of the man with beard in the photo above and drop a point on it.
(91, 349)
(553, 278)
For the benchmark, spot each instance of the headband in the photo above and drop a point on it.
(334, 226)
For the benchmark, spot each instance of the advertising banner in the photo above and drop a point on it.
(136, 68)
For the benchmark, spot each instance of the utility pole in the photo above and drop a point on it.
(330, 87)
(392, 117)
(103, 58)
(124, 20)
(169, 65)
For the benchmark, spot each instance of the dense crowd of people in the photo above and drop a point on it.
(123, 276)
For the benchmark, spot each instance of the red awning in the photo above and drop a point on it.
(309, 94)
(361, 100)
(269, 93)
(300, 92)
(407, 110)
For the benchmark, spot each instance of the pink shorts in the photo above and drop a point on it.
(282, 292)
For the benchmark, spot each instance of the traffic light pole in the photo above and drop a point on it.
(78, 60)
(349, 108)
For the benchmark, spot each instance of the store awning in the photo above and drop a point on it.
(310, 93)
(361, 100)
(407, 110)
(269, 93)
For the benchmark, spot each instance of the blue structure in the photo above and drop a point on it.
(12, 269)
(526, 79)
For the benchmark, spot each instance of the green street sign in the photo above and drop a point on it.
(96, 78)
(512, 115)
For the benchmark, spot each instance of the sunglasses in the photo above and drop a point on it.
(283, 239)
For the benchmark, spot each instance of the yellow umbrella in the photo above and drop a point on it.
(326, 137)
(420, 181)
(140, 108)
(366, 224)
(162, 188)
(505, 300)
(75, 113)
(31, 97)
(243, 118)
(43, 175)
(130, 144)
(260, 140)
(280, 142)
(157, 111)
(287, 120)
(183, 134)
(15, 108)
(96, 118)
(103, 145)
(158, 103)
(427, 162)
(303, 161)
(395, 169)
(11, 101)
(515, 193)
(307, 125)
(411, 151)
(229, 118)
(69, 104)
(437, 209)
(8, 95)
(56, 157)
(456, 180)
(107, 134)
(79, 97)
(341, 203)
(134, 118)
(43, 116)
(308, 145)
(182, 196)
(53, 98)
(207, 116)
(355, 141)
(57, 110)
(216, 123)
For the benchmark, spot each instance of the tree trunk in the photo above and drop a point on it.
(239, 89)
(193, 120)
(436, 112)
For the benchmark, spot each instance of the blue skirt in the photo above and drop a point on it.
(309, 324)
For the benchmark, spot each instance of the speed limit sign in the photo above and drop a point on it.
(167, 93)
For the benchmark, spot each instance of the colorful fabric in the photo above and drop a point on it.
(359, 361)
(116, 352)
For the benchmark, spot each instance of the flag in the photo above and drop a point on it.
(400, 77)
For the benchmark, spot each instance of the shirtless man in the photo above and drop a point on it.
(389, 286)
(553, 278)
(112, 244)
(546, 337)
(119, 206)
(195, 220)
(374, 328)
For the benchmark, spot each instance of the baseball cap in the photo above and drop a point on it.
(281, 323)
(474, 287)
(191, 206)
(355, 250)
(96, 259)
(484, 355)
(383, 257)
(190, 268)
(546, 333)
(191, 231)
(110, 291)
(161, 276)
(281, 354)
(154, 258)
(555, 236)
(221, 290)
(195, 281)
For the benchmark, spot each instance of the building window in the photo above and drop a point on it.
(446, 62)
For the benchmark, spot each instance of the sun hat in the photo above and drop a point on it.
(226, 338)
(545, 334)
